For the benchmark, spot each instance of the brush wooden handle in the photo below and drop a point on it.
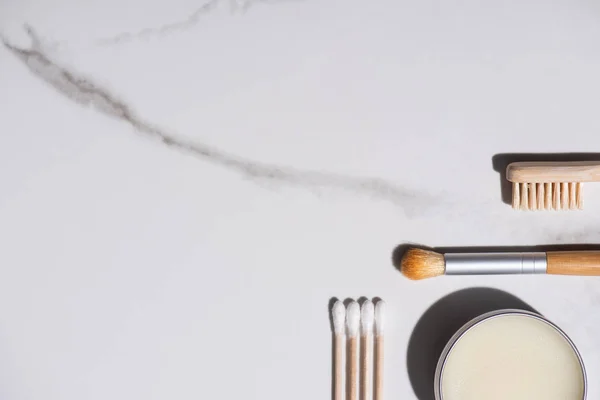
(585, 263)
(538, 172)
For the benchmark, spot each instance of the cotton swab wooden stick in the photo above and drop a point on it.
(352, 326)
(338, 313)
(379, 325)
(366, 324)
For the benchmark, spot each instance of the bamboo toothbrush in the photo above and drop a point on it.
(367, 316)
(379, 325)
(550, 185)
(338, 315)
(420, 264)
(352, 326)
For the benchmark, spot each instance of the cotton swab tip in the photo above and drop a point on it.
(367, 316)
(353, 319)
(379, 317)
(338, 314)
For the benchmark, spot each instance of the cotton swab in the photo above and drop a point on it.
(379, 325)
(338, 313)
(366, 323)
(352, 325)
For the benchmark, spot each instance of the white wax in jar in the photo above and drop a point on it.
(512, 357)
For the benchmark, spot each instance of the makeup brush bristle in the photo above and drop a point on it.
(338, 314)
(367, 317)
(421, 264)
(353, 319)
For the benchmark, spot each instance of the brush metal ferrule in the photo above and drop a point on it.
(495, 263)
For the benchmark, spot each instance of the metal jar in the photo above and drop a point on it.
(484, 317)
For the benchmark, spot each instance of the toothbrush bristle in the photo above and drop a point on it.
(540, 196)
(547, 196)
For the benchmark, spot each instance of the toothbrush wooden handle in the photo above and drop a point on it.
(538, 172)
(584, 263)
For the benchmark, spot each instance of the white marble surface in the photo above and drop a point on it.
(184, 186)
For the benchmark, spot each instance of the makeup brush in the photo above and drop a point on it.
(367, 317)
(352, 326)
(421, 264)
(338, 314)
(379, 324)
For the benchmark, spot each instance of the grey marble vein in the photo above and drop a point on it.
(126, 37)
(186, 23)
(86, 93)
(167, 28)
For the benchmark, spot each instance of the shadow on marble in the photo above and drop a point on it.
(440, 322)
(500, 162)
